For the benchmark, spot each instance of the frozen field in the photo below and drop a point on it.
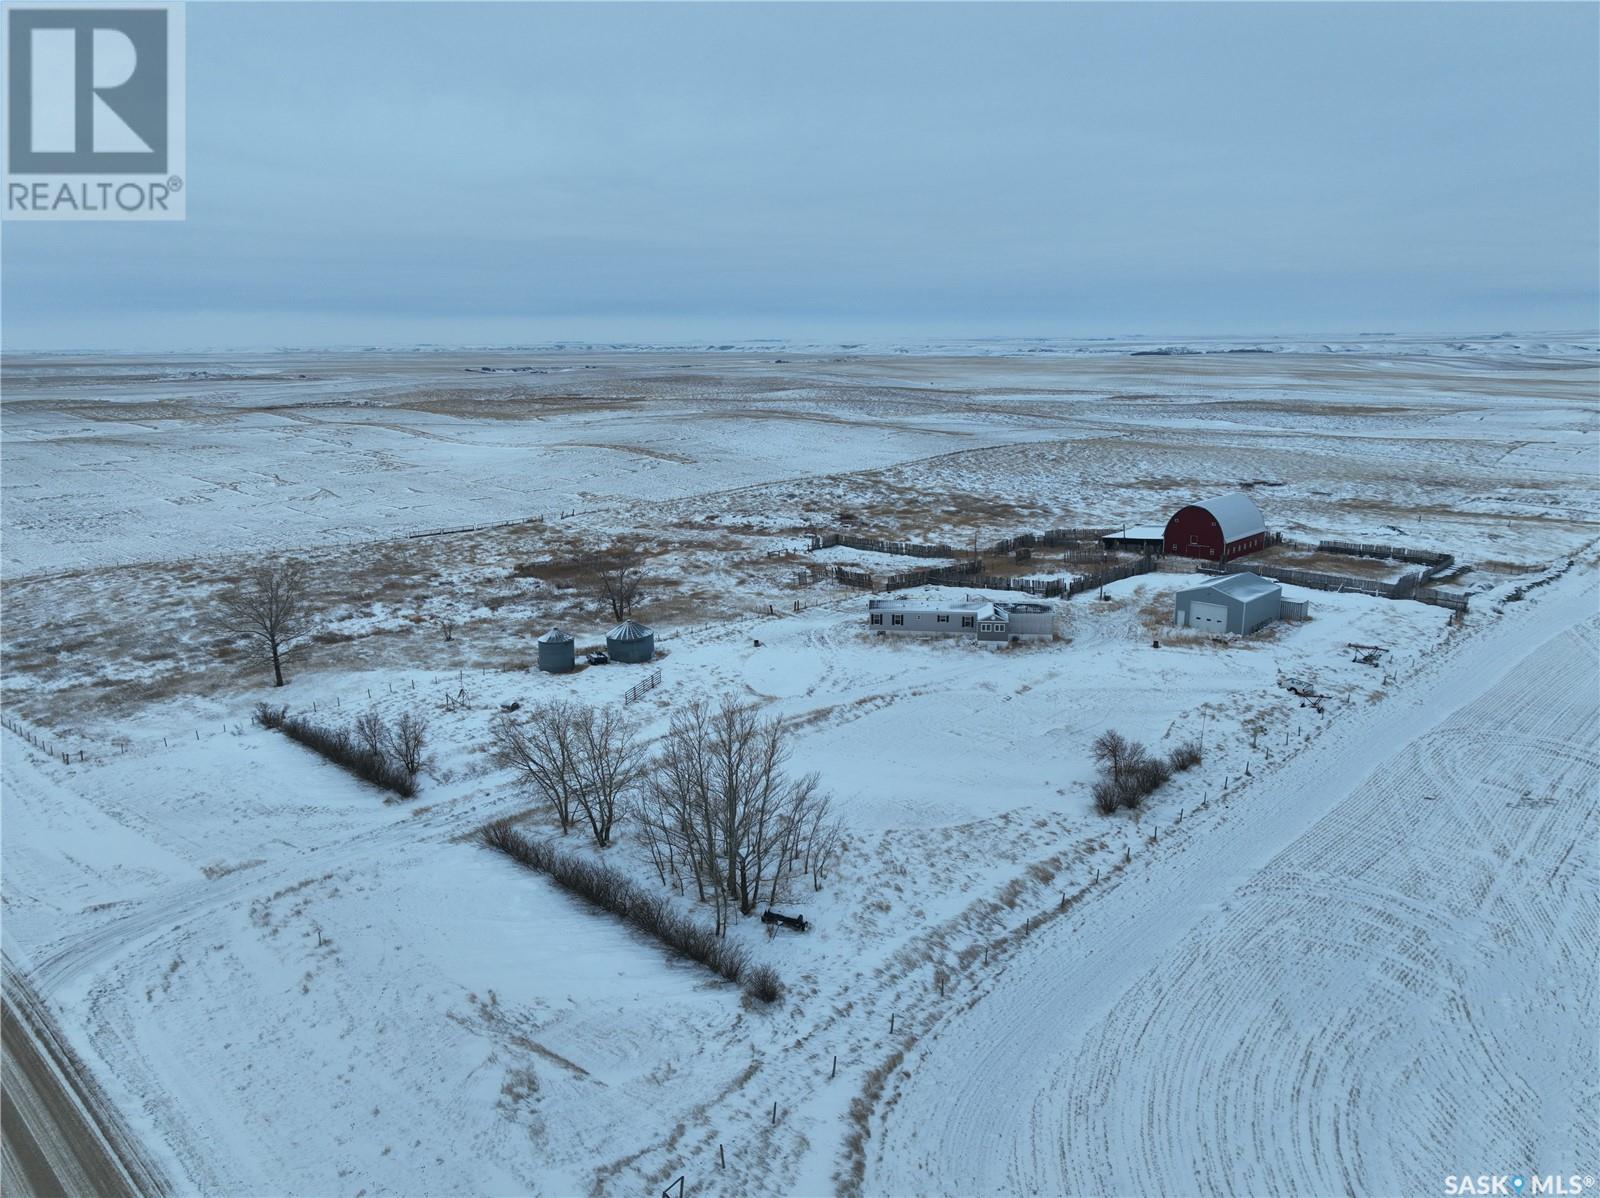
(133, 460)
(1289, 975)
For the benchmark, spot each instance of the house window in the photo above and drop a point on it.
(944, 619)
(897, 619)
(876, 618)
(966, 621)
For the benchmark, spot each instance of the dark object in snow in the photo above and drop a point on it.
(795, 923)
(1155, 644)
(758, 644)
(598, 659)
(508, 708)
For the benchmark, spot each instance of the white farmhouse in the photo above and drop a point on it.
(985, 619)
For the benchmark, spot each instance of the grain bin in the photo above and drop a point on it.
(630, 641)
(556, 652)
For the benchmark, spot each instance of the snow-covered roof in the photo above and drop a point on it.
(1236, 514)
(983, 609)
(554, 637)
(1243, 586)
(934, 605)
(1139, 532)
(629, 630)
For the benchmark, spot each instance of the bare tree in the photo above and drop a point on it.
(540, 749)
(406, 741)
(720, 803)
(822, 842)
(1129, 772)
(1114, 753)
(619, 579)
(271, 611)
(675, 807)
(370, 732)
(609, 760)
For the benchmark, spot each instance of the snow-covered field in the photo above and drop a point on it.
(1289, 975)
(1375, 971)
(134, 460)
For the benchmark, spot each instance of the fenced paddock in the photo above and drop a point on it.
(1399, 553)
(898, 548)
(1082, 540)
(1432, 561)
(1409, 587)
(967, 574)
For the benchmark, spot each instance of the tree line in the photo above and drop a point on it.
(715, 803)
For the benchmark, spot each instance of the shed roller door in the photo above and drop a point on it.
(1210, 617)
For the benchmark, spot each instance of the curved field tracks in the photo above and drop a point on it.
(1404, 992)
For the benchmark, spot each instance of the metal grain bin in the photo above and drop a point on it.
(556, 652)
(630, 641)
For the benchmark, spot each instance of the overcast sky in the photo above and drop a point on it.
(391, 173)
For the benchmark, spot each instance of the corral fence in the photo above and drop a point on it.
(859, 579)
(1055, 538)
(964, 572)
(643, 687)
(1090, 582)
(1433, 561)
(1044, 587)
(1086, 540)
(968, 574)
(899, 548)
(1408, 587)
(961, 573)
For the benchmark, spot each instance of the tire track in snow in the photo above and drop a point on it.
(1212, 1023)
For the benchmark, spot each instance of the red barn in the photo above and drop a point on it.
(1219, 529)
